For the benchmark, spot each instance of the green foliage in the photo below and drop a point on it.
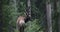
(14, 8)
(32, 26)
(11, 11)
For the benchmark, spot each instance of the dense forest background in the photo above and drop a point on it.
(45, 15)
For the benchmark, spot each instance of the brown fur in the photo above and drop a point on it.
(21, 25)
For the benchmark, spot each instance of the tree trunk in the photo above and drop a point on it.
(1, 15)
(56, 18)
(48, 14)
(59, 23)
(58, 10)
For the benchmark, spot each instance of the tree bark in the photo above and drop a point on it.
(59, 23)
(1, 15)
(56, 14)
(48, 15)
